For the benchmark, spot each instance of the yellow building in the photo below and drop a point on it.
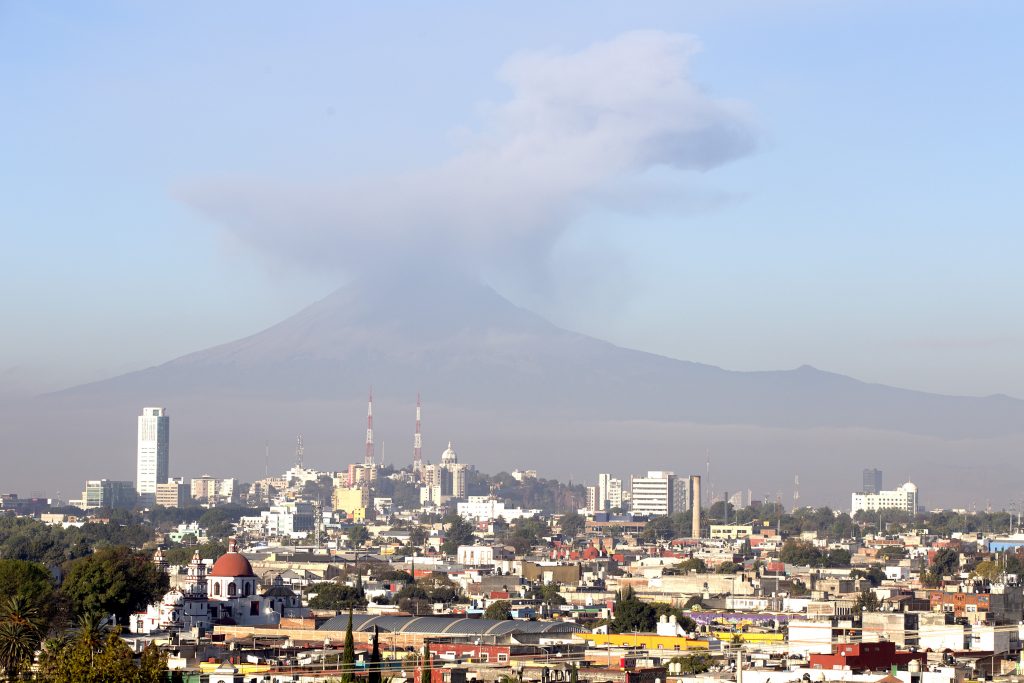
(350, 499)
(648, 641)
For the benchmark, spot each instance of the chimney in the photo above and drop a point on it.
(695, 507)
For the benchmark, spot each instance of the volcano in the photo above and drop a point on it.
(464, 344)
(521, 391)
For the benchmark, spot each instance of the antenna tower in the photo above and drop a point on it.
(368, 458)
(417, 442)
(299, 450)
(796, 491)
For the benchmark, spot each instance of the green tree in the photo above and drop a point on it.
(728, 568)
(348, 654)
(182, 554)
(115, 580)
(632, 613)
(18, 641)
(801, 553)
(946, 562)
(691, 665)
(31, 581)
(892, 552)
(572, 524)
(335, 596)
(374, 673)
(867, 601)
(357, 535)
(499, 610)
(418, 536)
(108, 661)
(457, 532)
(988, 570)
(547, 593)
(692, 564)
(838, 557)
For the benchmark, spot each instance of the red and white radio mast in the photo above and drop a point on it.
(368, 459)
(417, 442)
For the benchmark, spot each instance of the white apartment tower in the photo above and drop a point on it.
(652, 495)
(153, 454)
(609, 492)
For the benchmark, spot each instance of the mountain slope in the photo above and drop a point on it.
(463, 344)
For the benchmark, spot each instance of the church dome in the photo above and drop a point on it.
(449, 454)
(232, 563)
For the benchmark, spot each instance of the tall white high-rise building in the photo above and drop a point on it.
(153, 454)
(609, 492)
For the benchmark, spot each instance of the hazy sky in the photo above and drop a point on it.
(781, 182)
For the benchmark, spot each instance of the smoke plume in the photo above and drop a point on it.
(578, 131)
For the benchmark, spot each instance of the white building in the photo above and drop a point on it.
(293, 518)
(227, 594)
(609, 493)
(487, 509)
(153, 453)
(213, 491)
(652, 495)
(904, 498)
(444, 481)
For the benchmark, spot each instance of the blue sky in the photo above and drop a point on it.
(874, 228)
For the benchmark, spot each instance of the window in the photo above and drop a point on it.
(232, 590)
(502, 657)
(216, 589)
(254, 608)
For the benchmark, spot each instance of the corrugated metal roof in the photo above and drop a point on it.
(447, 625)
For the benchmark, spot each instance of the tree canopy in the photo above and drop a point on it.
(114, 580)
(499, 609)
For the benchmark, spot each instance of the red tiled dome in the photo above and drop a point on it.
(232, 563)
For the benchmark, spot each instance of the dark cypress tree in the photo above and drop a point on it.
(348, 655)
(374, 675)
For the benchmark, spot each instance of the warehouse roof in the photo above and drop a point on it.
(447, 625)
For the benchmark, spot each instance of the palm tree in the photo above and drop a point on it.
(20, 633)
(92, 631)
(18, 644)
(21, 610)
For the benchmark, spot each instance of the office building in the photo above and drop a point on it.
(904, 498)
(661, 493)
(444, 481)
(153, 453)
(653, 494)
(872, 481)
(213, 491)
(609, 492)
(106, 493)
(174, 493)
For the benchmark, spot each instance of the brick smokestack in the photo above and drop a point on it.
(695, 508)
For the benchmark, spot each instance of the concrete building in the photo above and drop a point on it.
(487, 509)
(609, 493)
(213, 491)
(444, 481)
(107, 493)
(904, 498)
(294, 519)
(175, 493)
(153, 457)
(661, 493)
(872, 481)
(350, 499)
